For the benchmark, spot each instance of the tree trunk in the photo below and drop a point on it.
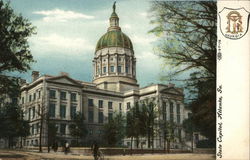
(137, 142)
(131, 145)
(168, 146)
(21, 144)
(40, 134)
(149, 138)
(192, 140)
(164, 142)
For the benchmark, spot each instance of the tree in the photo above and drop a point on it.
(14, 48)
(189, 128)
(188, 44)
(168, 129)
(52, 132)
(78, 129)
(148, 118)
(114, 130)
(12, 124)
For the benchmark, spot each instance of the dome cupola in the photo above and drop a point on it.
(114, 62)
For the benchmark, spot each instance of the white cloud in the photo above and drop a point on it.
(143, 40)
(62, 44)
(59, 15)
(127, 26)
(144, 14)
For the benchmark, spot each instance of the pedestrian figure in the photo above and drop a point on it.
(66, 149)
(55, 146)
(95, 149)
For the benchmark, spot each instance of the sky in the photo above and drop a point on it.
(68, 31)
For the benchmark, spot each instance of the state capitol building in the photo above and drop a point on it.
(114, 89)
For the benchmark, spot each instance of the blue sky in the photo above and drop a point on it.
(68, 30)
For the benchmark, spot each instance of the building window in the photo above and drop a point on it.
(62, 111)
(90, 103)
(110, 105)
(128, 105)
(171, 112)
(119, 69)
(112, 68)
(100, 117)
(52, 109)
(33, 112)
(104, 69)
(120, 107)
(100, 103)
(178, 114)
(127, 69)
(52, 94)
(29, 113)
(73, 97)
(34, 96)
(39, 94)
(63, 95)
(32, 129)
(91, 117)
(179, 134)
(30, 97)
(62, 128)
(164, 111)
(72, 111)
(110, 116)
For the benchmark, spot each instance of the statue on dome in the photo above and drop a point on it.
(114, 6)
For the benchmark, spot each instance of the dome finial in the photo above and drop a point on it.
(114, 6)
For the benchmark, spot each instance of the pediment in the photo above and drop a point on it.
(64, 80)
(171, 90)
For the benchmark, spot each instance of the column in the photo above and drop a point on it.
(108, 65)
(124, 64)
(116, 64)
(68, 105)
(100, 65)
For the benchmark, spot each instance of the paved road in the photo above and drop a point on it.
(24, 155)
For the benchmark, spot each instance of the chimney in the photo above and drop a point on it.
(35, 75)
(64, 74)
(171, 85)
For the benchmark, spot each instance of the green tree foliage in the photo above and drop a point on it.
(114, 130)
(168, 129)
(78, 128)
(52, 134)
(14, 48)
(12, 124)
(187, 32)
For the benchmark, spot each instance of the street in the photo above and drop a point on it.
(26, 155)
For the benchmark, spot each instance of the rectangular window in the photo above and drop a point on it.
(90, 102)
(63, 95)
(178, 113)
(119, 69)
(100, 103)
(22, 100)
(110, 105)
(127, 69)
(30, 98)
(62, 111)
(104, 69)
(120, 106)
(91, 117)
(34, 96)
(33, 112)
(100, 117)
(72, 111)
(52, 109)
(73, 97)
(52, 94)
(112, 68)
(62, 128)
(171, 112)
(39, 94)
(32, 129)
(110, 116)
(179, 134)
(29, 113)
(164, 111)
(128, 105)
